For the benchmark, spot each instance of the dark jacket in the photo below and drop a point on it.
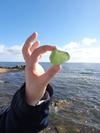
(20, 117)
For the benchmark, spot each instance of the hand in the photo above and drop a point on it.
(35, 76)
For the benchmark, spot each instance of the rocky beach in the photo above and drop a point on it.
(12, 69)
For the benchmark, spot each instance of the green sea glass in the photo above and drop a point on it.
(59, 57)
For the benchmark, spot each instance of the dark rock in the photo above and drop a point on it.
(20, 67)
(6, 82)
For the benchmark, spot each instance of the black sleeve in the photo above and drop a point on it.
(23, 118)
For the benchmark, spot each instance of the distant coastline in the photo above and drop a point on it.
(11, 69)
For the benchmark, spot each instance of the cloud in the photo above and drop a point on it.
(11, 53)
(2, 47)
(85, 55)
(16, 49)
(71, 45)
(88, 41)
(85, 50)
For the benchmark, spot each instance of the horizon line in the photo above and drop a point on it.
(47, 62)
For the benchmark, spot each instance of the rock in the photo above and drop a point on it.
(58, 104)
(6, 82)
(20, 67)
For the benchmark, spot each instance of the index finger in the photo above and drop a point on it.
(27, 45)
(43, 49)
(31, 38)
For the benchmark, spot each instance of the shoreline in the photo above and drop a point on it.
(11, 69)
(5, 70)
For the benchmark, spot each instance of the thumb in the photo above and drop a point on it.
(51, 72)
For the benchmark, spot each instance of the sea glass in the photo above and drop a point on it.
(59, 57)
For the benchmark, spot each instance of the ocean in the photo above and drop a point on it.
(77, 83)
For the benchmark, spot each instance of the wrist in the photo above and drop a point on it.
(32, 97)
(45, 98)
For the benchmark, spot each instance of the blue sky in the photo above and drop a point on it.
(73, 25)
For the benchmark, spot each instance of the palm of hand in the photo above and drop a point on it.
(38, 70)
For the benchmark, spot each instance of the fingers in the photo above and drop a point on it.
(27, 45)
(41, 50)
(51, 72)
(31, 38)
(34, 46)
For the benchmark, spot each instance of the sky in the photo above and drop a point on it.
(71, 25)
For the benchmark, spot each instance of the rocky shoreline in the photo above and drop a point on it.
(61, 124)
(12, 69)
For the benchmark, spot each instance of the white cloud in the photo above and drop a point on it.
(71, 45)
(88, 41)
(16, 49)
(79, 52)
(11, 53)
(85, 55)
(2, 47)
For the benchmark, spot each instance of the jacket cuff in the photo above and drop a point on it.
(23, 109)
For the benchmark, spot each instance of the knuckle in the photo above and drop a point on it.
(44, 47)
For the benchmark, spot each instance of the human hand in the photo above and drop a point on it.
(35, 76)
